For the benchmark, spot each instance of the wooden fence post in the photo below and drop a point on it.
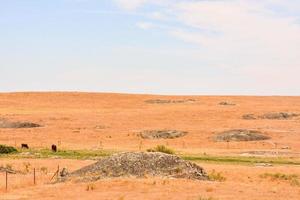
(57, 172)
(34, 176)
(6, 180)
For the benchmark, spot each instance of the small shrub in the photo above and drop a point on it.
(7, 149)
(90, 187)
(216, 176)
(209, 189)
(161, 148)
(9, 167)
(26, 167)
(44, 170)
(293, 179)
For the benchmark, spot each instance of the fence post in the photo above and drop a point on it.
(34, 176)
(57, 172)
(6, 180)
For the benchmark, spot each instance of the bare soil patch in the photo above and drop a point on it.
(139, 165)
(162, 134)
(240, 135)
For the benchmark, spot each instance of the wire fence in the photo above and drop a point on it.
(12, 180)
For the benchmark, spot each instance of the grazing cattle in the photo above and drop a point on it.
(54, 148)
(24, 146)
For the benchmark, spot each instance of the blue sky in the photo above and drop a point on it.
(234, 47)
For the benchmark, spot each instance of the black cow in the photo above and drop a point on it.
(24, 146)
(54, 148)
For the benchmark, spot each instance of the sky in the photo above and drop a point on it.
(182, 47)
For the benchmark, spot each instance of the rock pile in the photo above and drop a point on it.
(225, 103)
(271, 116)
(165, 101)
(4, 123)
(240, 135)
(139, 165)
(162, 134)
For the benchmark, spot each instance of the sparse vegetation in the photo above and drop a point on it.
(9, 167)
(94, 154)
(44, 170)
(7, 149)
(293, 179)
(216, 176)
(26, 167)
(241, 159)
(162, 149)
(90, 187)
(67, 154)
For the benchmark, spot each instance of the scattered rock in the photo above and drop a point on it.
(263, 165)
(162, 134)
(240, 135)
(280, 115)
(164, 101)
(141, 164)
(249, 117)
(8, 124)
(100, 127)
(271, 116)
(225, 103)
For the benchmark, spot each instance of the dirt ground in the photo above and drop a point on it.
(242, 182)
(113, 121)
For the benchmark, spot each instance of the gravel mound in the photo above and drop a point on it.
(162, 134)
(240, 135)
(8, 124)
(139, 165)
(271, 116)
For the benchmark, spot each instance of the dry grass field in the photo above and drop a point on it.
(86, 126)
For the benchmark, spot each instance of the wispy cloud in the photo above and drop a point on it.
(252, 37)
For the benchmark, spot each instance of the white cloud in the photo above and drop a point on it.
(250, 37)
(247, 32)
